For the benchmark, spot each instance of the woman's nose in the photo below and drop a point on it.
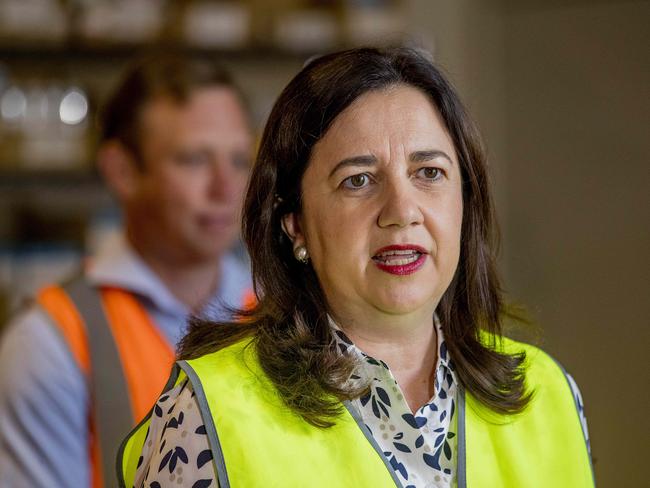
(400, 206)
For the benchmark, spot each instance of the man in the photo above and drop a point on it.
(175, 150)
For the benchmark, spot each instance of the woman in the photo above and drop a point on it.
(374, 356)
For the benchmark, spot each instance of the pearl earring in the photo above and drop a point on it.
(301, 254)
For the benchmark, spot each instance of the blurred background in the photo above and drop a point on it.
(560, 89)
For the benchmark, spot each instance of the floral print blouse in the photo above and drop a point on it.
(420, 446)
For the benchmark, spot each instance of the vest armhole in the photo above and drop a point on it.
(577, 410)
(210, 428)
(125, 447)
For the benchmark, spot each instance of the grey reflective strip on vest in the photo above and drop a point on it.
(173, 377)
(208, 420)
(461, 465)
(108, 389)
(215, 445)
(362, 426)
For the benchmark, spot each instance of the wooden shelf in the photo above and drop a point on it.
(16, 178)
(72, 51)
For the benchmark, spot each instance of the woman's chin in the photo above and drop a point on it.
(406, 304)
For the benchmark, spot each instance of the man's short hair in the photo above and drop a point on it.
(151, 78)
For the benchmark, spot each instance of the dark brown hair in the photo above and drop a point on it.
(290, 324)
(150, 78)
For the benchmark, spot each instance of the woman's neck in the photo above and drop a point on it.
(409, 348)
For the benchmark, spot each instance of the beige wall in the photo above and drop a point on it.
(578, 159)
(561, 91)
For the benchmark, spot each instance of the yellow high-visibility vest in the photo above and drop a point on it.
(257, 441)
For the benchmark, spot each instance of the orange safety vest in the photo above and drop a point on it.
(121, 352)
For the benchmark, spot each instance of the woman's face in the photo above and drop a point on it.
(382, 206)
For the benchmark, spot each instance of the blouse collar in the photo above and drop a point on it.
(370, 366)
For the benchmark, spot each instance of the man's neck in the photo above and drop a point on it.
(193, 284)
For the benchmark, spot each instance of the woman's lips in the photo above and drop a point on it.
(402, 259)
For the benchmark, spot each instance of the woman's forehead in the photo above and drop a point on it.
(383, 121)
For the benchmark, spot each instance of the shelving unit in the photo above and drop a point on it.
(16, 180)
(46, 213)
(77, 51)
(45, 205)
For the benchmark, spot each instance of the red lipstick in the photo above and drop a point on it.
(400, 259)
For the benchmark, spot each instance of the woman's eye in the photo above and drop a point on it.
(429, 173)
(356, 181)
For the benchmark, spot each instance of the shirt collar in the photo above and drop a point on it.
(117, 264)
(345, 345)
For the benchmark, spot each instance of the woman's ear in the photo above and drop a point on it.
(291, 227)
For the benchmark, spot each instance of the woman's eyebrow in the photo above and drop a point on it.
(368, 160)
(428, 155)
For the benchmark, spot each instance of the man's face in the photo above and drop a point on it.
(196, 159)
